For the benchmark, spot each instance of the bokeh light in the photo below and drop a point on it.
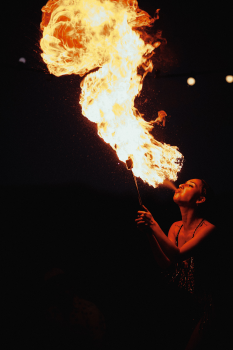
(22, 59)
(191, 81)
(229, 78)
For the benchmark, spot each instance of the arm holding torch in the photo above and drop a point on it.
(161, 259)
(164, 250)
(160, 242)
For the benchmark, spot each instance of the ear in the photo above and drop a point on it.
(200, 200)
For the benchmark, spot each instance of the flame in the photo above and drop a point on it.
(161, 119)
(169, 184)
(109, 36)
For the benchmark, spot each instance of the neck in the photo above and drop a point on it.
(190, 218)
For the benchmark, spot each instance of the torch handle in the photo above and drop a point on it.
(139, 197)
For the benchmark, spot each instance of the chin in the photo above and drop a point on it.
(175, 200)
(174, 197)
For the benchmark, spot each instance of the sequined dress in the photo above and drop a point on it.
(194, 278)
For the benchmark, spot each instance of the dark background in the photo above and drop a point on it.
(67, 200)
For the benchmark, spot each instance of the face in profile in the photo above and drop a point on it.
(189, 193)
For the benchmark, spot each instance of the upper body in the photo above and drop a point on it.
(195, 232)
(184, 237)
(189, 242)
(187, 255)
(197, 273)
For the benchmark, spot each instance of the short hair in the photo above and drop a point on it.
(207, 208)
(205, 189)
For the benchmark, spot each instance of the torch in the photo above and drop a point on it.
(129, 166)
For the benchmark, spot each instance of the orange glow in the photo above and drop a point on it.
(169, 184)
(80, 36)
(161, 119)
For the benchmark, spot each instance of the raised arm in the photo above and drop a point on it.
(202, 236)
(145, 221)
(167, 244)
(161, 259)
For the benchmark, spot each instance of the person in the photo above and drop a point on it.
(186, 258)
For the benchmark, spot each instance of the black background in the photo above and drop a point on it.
(67, 200)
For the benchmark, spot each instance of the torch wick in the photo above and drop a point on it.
(129, 166)
(135, 180)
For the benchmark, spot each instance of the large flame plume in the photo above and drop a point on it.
(109, 36)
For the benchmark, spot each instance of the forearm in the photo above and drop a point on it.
(170, 250)
(161, 259)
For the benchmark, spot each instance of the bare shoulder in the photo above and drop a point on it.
(207, 228)
(208, 224)
(176, 226)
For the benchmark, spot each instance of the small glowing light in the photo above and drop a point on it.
(229, 78)
(22, 59)
(191, 81)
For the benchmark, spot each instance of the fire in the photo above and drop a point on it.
(161, 118)
(109, 37)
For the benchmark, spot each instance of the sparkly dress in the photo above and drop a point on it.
(194, 280)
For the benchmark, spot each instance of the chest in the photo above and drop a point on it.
(183, 237)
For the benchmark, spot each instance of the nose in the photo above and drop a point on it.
(181, 186)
